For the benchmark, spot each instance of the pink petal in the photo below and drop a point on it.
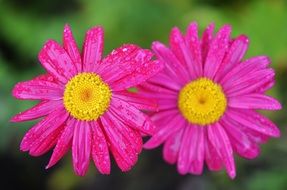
(120, 160)
(254, 101)
(167, 104)
(131, 116)
(122, 148)
(245, 68)
(93, 49)
(183, 162)
(221, 143)
(253, 121)
(173, 67)
(81, 147)
(117, 63)
(197, 150)
(162, 118)
(54, 119)
(41, 109)
(179, 48)
(129, 66)
(217, 51)
(165, 81)
(57, 62)
(131, 135)
(137, 100)
(100, 150)
(233, 56)
(212, 158)
(194, 46)
(250, 83)
(171, 147)
(37, 90)
(163, 133)
(64, 143)
(151, 90)
(44, 134)
(206, 41)
(240, 141)
(144, 70)
(71, 48)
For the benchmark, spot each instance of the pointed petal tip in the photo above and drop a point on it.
(149, 145)
(232, 174)
(14, 119)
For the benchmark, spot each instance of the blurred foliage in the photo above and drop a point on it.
(26, 24)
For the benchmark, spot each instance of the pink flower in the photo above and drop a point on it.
(208, 97)
(85, 103)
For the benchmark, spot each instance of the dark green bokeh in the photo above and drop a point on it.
(26, 24)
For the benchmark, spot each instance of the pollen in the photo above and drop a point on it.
(202, 102)
(87, 96)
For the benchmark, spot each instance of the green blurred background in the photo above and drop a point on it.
(26, 24)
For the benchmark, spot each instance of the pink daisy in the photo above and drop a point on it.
(208, 97)
(85, 105)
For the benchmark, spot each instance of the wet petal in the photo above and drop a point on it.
(254, 101)
(37, 90)
(57, 62)
(71, 48)
(41, 109)
(100, 150)
(217, 51)
(64, 143)
(131, 116)
(81, 147)
(93, 49)
(221, 143)
(171, 147)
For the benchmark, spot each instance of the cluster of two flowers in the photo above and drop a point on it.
(201, 95)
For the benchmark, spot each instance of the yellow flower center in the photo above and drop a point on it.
(87, 96)
(202, 101)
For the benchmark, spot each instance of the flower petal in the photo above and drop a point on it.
(241, 143)
(183, 162)
(131, 135)
(42, 109)
(144, 71)
(233, 56)
(197, 150)
(137, 100)
(93, 49)
(212, 158)
(124, 151)
(131, 116)
(216, 53)
(179, 48)
(71, 48)
(44, 134)
(162, 133)
(254, 101)
(173, 67)
(81, 147)
(250, 83)
(37, 90)
(253, 121)
(171, 147)
(207, 38)
(64, 143)
(221, 143)
(194, 47)
(245, 68)
(100, 150)
(57, 62)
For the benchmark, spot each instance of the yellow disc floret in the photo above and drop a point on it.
(202, 101)
(87, 96)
